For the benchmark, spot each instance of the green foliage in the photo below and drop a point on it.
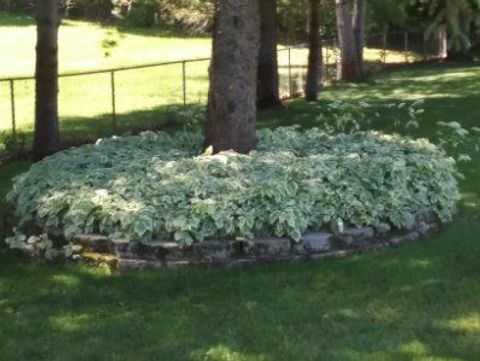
(456, 17)
(10, 144)
(156, 186)
(142, 14)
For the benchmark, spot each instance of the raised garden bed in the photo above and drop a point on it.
(155, 200)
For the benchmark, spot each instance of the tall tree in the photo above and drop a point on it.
(359, 19)
(232, 110)
(451, 23)
(268, 83)
(47, 135)
(349, 69)
(315, 59)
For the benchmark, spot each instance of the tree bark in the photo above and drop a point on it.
(47, 135)
(232, 109)
(268, 83)
(349, 70)
(359, 18)
(315, 58)
(442, 43)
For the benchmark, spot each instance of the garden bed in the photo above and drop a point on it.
(158, 192)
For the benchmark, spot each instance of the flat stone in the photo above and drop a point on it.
(94, 243)
(166, 251)
(356, 236)
(213, 251)
(317, 242)
(120, 245)
(178, 264)
(129, 264)
(268, 247)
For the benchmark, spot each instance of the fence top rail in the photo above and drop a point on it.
(125, 68)
(108, 70)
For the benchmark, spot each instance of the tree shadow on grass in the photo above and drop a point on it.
(412, 302)
(83, 130)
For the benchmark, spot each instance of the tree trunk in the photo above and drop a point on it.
(47, 135)
(232, 109)
(315, 59)
(349, 70)
(359, 18)
(442, 43)
(268, 84)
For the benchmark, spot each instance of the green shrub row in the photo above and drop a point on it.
(157, 186)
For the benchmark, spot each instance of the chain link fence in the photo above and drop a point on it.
(100, 103)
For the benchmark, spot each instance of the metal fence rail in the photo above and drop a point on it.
(292, 79)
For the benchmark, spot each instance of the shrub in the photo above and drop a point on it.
(10, 144)
(159, 186)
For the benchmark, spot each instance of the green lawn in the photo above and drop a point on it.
(419, 301)
(141, 95)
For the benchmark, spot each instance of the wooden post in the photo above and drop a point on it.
(290, 83)
(114, 113)
(12, 104)
(184, 82)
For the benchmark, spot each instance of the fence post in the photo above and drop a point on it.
(405, 41)
(114, 113)
(290, 84)
(12, 104)
(326, 62)
(184, 82)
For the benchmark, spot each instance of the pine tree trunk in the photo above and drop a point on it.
(232, 109)
(315, 59)
(47, 136)
(349, 70)
(359, 18)
(268, 84)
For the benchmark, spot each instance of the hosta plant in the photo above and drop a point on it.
(157, 186)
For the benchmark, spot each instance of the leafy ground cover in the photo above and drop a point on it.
(416, 302)
(157, 186)
(142, 96)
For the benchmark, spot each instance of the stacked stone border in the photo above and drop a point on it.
(124, 254)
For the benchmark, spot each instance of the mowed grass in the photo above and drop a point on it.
(142, 95)
(419, 301)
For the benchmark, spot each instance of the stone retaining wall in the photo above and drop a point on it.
(123, 254)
